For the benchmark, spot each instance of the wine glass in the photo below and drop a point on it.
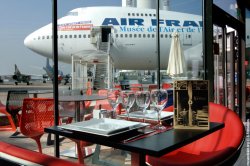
(128, 99)
(114, 98)
(159, 98)
(143, 101)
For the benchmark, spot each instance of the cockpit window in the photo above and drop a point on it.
(72, 14)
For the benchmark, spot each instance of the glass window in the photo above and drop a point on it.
(130, 35)
(135, 35)
(75, 36)
(229, 6)
(128, 14)
(247, 58)
(84, 36)
(126, 35)
(137, 14)
(148, 35)
(144, 35)
(66, 36)
(61, 36)
(79, 36)
(133, 14)
(150, 15)
(70, 36)
(121, 35)
(88, 36)
(166, 35)
(139, 35)
(146, 14)
(116, 35)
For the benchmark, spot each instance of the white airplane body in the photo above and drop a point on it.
(133, 35)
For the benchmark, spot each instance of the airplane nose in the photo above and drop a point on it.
(28, 41)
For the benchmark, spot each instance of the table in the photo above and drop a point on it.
(156, 145)
(36, 92)
(78, 99)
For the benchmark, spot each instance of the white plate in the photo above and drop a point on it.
(150, 114)
(104, 126)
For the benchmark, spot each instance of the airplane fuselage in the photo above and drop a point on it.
(133, 35)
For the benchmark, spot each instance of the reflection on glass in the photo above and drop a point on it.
(230, 7)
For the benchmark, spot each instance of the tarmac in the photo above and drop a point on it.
(115, 156)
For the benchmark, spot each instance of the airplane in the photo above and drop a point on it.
(133, 36)
(19, 77)
(50, 73)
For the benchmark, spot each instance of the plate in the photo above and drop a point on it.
(105, 126)
(150, 114)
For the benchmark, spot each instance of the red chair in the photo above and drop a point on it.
(37, 114)
(169, 109)
(118, 86)
(11, 125)
(218, 148)
(166, 86)
(14, 105)
(151, 87)
(23, 155)
(136, 87)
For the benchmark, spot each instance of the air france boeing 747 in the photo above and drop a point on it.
(132, 31)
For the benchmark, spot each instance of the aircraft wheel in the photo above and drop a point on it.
(16, 83)
(28, 83)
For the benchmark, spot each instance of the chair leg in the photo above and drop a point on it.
(12, 124)
(38, 142)
(16, 135)
(80, 152)
(16, 123)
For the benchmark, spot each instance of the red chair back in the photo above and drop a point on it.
(151, 87)
(136, 87)
(169, 109)
(166, 85)
(213, 149)
(118, 87)
(37, 114)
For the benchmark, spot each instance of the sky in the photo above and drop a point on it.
(21, 17)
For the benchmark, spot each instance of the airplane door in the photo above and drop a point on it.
(105, 33)
(187, 39)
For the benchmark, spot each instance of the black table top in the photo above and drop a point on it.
(82, 98)
(156, 145)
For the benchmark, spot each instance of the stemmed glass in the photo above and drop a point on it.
(143, 101)
(159, 98)
(128, 99)
(114, 98)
